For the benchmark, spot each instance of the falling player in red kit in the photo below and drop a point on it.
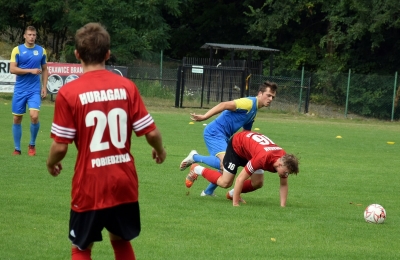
(256, 153)
(98, 112)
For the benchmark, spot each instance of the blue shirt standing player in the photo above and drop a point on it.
(236, 114)
(28, 61)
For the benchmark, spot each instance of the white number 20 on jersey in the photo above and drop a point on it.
(116, 120)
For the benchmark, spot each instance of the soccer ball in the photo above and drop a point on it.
(375, 213)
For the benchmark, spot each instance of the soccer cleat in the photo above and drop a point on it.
(16, 152)
(203, 194)
(188, 160)
(191, 177)
(31, 150)
(229, 197)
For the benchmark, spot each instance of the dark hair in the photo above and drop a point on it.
(92, 42)
(291, 162)
(271, 85)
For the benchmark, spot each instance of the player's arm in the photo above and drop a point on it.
(45, 76)
(57, 153)
(283, 190)
(14, 69)
(243, 175)
(154, 139)
(227, 105)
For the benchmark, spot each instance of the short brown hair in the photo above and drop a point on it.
(271, 85)
(92, 42)
(30, 28)
(291, 162)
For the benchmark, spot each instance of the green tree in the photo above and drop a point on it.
(52, 15)
(48, 17)
(207, 21)
(330, 35)
(136, 27)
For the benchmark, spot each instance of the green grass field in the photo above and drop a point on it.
(323, 219)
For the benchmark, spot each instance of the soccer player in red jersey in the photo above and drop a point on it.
(256, 153)
(98, 112)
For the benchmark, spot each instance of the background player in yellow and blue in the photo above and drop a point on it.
(236, 114)
(28, 61)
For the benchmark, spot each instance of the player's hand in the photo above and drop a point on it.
(195, 117)
(236, 202)
(43, 92)
(55, 170)
(36, 71)
(159, 157)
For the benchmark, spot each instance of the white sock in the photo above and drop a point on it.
(198, 169)
(231, 192)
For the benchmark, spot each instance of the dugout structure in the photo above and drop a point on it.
(209, 81)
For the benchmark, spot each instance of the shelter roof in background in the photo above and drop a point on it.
(236, 47)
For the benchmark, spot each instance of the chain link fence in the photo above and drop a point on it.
(326, 94)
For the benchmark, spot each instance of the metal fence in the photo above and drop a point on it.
(326, 94)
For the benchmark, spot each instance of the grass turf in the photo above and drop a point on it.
(323, 219)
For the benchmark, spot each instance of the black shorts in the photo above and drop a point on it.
(232, 161)
(122, 220)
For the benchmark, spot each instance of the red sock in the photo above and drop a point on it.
(247, 187)
(81, 254)
(123, 250)
(211, 175)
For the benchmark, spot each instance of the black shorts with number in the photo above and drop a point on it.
(232, 161)
(122, 220)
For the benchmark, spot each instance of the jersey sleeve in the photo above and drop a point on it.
(14, 55)
(244, 104)
(143, 122)
(62, 129)
(44, 57)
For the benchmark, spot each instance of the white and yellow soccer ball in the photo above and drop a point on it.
(375, 213)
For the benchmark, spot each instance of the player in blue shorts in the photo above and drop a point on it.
(236, 114)
(28, 61)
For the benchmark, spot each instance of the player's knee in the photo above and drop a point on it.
(34, 119)
(17, 119)
(257, 184)
(224, 183)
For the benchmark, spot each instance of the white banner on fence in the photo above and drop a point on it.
(59, 75)
(7, 80)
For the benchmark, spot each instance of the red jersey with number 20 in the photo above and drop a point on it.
(260, 151)
(98, 112)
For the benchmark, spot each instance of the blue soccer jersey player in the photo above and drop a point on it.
(28, 61)
(236, 114)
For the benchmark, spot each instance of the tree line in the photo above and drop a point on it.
(322, 35)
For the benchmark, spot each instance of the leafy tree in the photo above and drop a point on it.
(52, 15)
(136, 27)
(15, 15)
(207, 21)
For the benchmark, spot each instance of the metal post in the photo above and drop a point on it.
(347, 93)
(394, 94)
(301, 87)
(178, 87)
(161, 72)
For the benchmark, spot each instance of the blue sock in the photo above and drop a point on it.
(34, 133)
(210, 188)
(212, 161)
(17, 134)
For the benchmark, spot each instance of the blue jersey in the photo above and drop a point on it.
(229, 122)
(28, 58)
